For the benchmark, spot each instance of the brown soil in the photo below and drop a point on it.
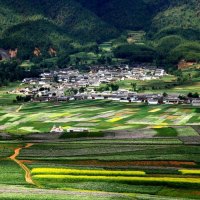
(132, 163)
(28, 177)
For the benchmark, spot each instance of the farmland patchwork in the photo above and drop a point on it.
(94, 115)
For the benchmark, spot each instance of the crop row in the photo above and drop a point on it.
(190, 171)
(62, 171)
(162, 180)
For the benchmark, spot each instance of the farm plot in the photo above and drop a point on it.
(11, 173)
(95, 116)
(123, 167)
(127, 169)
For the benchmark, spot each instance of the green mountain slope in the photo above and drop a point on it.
(61, 24)
(44, 22)
(126, 14)
(180, 17)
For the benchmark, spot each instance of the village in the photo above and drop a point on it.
(69, 85)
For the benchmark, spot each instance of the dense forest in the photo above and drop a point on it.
(70, 26)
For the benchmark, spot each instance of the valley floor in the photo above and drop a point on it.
(131, 152)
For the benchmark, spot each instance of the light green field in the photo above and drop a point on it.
(166, 84)
(95, 115)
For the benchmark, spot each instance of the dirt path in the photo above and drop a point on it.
(20, 107)
(28, 177)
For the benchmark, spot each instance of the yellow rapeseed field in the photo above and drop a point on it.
(158, 127)
(115, 119)
(63, 171)
(190, 171)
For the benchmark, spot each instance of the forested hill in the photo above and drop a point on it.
(64, 23)
(126, 14)
(46, 21)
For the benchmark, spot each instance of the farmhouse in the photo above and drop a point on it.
(135, 100)
(63, 99)
(172, 100)
(57, 129)
(196, 102)
(152, 101)
(125, 100)
(77, 130)
(159, 72)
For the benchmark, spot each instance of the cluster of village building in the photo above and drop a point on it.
(97, 76)
(52, 86)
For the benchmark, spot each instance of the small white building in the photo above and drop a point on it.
(71, 99)
(124, 100)
(98, 97)
(171, 100)
(77, 130)
(135, 100)
(196, 102)
(152, 101)
(57, 129)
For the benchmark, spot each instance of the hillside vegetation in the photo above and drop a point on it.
(172, 26)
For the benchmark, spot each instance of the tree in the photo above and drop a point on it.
(114, 87)
(77, 61)
(191, 95)
(102, 60)
(195, 95)
(165, 94)
(63, 61)
(82, 89)
(134, 86)
(56, 79)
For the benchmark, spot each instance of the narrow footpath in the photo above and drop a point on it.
(28, 177)
(18, 109)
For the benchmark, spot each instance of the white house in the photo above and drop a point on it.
(196, 102)
(152, 101)
(77, 130)
(57, 129)
(171, 100)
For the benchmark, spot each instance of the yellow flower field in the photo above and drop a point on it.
(86, 172)
(157, 126)
(115, 119)
(190, 171)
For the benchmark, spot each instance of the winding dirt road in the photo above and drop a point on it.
(28, 177)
